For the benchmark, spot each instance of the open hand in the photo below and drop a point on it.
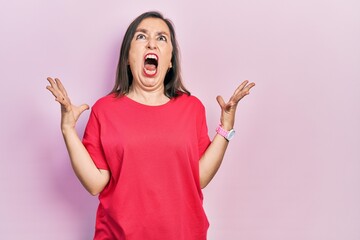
(228, 109)
(69, 112)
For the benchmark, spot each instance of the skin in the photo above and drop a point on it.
(214, 154)
(153, 36)
(93, 179)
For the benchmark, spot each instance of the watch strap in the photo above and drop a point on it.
(228, 135)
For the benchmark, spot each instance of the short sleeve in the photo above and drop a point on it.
(203, 136)
(92, 142)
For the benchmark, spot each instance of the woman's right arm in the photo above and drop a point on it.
(93, 179)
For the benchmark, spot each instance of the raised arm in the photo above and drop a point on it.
(214, 154)
(92, 178)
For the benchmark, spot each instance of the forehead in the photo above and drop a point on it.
(155, 25)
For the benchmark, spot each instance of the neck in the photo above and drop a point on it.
(151, 98)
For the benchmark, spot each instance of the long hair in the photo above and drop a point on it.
(173, 82)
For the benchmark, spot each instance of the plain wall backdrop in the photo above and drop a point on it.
(293, 169)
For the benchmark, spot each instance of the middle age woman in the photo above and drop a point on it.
(146, 149)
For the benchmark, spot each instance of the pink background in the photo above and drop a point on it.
(293, 170)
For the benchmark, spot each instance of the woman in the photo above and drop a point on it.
(146, 149)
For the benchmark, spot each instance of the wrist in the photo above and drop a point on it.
(227, 126)
(67, 129)
(227, 134)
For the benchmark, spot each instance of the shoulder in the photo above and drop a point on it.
(190, 99)
(105, 102)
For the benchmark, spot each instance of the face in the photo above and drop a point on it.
(150, 54)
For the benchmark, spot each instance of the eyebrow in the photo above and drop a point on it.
(146, 32)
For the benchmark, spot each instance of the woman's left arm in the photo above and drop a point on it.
(214, 154)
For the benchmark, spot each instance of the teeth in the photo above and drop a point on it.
(152, 56)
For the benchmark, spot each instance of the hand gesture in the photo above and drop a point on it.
(69, 112)
(228, 109)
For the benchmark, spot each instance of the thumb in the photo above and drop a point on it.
(221, 101)
(83, 107)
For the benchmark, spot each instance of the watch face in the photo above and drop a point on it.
(231, 134)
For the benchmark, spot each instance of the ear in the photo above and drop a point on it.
(170, 66)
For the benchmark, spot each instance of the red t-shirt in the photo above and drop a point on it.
(153, 155)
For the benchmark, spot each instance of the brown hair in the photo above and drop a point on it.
(173, 81)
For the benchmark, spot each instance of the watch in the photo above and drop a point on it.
(228, 135)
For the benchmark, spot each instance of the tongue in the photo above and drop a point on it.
(150, 67)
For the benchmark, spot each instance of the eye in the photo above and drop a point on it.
(162, 38)
(140, 36)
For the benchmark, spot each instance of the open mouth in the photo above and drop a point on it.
(150, 64)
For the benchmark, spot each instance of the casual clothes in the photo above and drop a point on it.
(153, 155)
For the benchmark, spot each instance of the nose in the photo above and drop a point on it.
(151, 44)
